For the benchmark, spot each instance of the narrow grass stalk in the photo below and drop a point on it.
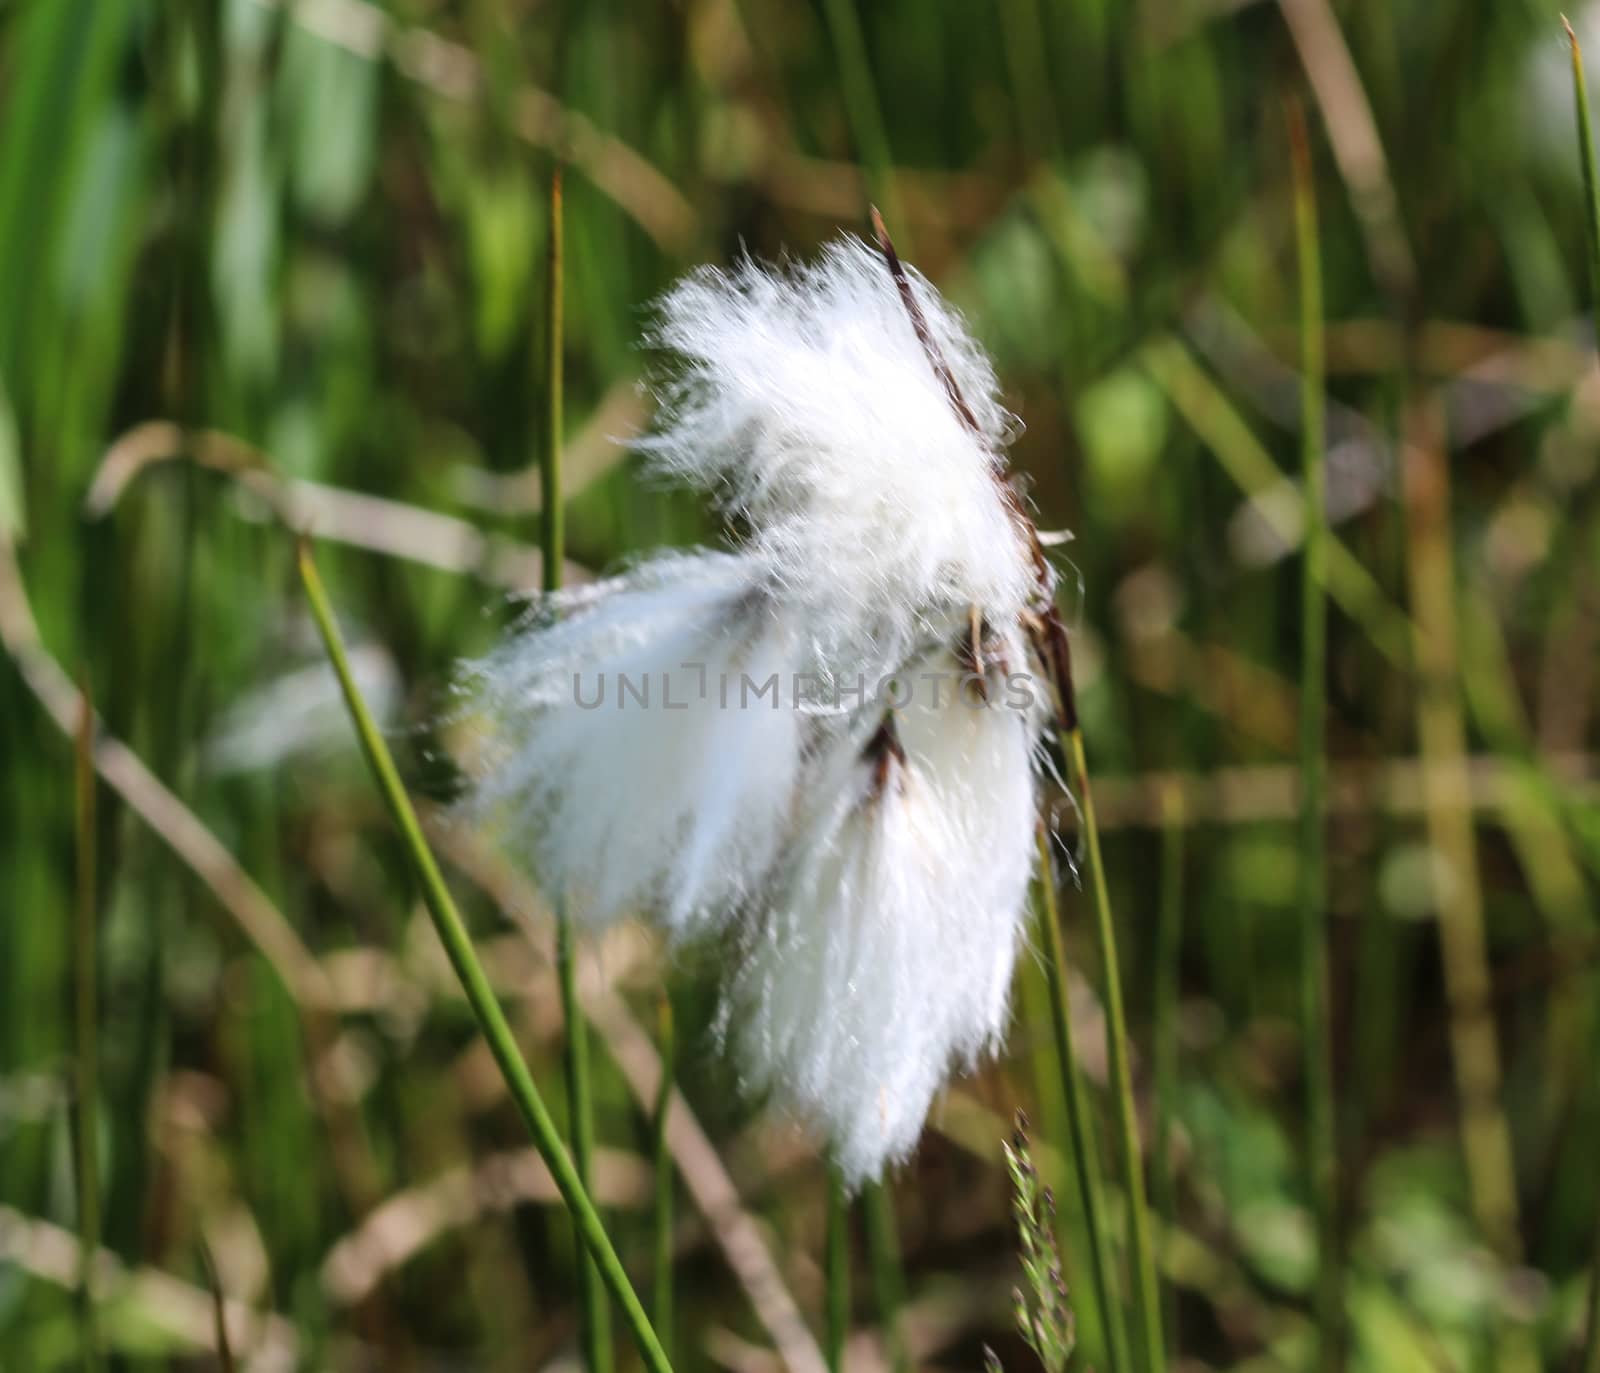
(1314, 1028)
(1085, 1147)
(837, 1264)
(1022, 34)
(219, 1314)
(553, 543)
(864, 112)
(1591, 191)
(594, 1316)
(1033, 987)
(86, 999)
(661, 1162)
(475, 983)
(1146, 1295)
(888, 1277)
(1169, 942)
(594, 1311)
(1591, 1349)
(1542, 830)
(1441, 733)
(1591, 205)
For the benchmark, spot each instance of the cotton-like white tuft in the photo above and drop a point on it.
(885, 956)
(806, 404)
(635, 760)
(676, 742)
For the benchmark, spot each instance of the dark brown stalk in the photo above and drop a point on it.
(1048, 634)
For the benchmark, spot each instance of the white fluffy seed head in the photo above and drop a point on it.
(884, 955)
(873, 868)
(633, 763)
(807, 405)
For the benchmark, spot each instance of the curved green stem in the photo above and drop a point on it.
(475, 983)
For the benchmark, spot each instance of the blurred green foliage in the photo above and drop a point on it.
(308, 236)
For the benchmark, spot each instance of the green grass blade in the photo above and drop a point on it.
(1591, 1349)
(86, 1002)
(475, 983)
(13, 510)
(219, 1314)
(1085, 1146)
(1312, 870)
(554, 523)
(1487, 1144)
(865, 113)
(1591, 192)
(580, 1109)
(1146, 1294)
(1169, 943)
(595, 1317)
(63, 62)
(837, 1264)
(888, 1276)
(1591, 209)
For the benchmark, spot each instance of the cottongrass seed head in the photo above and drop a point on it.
(822, 745)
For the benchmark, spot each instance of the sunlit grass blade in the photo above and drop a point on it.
(475, 983)
(65, 59)
(580, 1092)
(86, 1002)
(1085, 1146)
(13, 514)
(837, 1270)
(1591, 191)
(661, 1162)
(1312, 870)
(1141, 1247)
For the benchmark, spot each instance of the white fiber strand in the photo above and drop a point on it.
(807, 406)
